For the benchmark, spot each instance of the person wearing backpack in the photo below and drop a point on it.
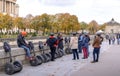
(52, 42)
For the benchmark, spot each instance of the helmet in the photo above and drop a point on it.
(74, 33)
(51, 34)
(24, 33)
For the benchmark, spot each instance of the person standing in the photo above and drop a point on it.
(60, 42)
(23, 44)
(52, 42)
(74, 46)
(85, 44)
(96, 45)
(80, 40)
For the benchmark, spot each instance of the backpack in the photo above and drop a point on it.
(51, 42)
(31, 46)
(41, 45)
(6, 47)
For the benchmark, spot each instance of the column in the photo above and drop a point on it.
(5, 6)
(0, 6)
(14, 8)
(10, 7)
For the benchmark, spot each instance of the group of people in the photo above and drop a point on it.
(80, 43)
(52, 42)
(113, 37)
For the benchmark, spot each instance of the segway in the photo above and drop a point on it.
(35, 61)
(45, 56)
(68, 49)
(11, 67)
(58, 53)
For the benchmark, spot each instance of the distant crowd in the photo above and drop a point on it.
(112, 38)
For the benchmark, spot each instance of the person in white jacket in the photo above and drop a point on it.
(74, 46)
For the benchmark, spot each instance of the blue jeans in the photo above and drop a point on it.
(75, 54)
(27, 50)
(96, 52)
(80, 48)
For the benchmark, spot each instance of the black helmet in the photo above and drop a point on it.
(51, 34)
(74, 33)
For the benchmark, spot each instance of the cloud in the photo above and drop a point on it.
(58, 3)
(85, 10)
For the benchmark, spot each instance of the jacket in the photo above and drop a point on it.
(52, 41)
(74, 42)
(97, 42)
(21, 41)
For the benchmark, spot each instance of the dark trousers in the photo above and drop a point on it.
(75, 54)
(52, 53)
(80, 48)
(96, 52)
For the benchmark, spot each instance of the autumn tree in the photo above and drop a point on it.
(93, 27)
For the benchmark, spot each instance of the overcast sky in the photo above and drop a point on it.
(86, 10)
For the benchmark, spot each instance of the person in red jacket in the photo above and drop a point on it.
(52, 42)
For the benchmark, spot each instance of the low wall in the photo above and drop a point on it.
(17, 54)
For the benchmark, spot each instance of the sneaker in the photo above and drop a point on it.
(30, 58)
(73, 59)
(26, 57)
(83, 58)
(93, 61)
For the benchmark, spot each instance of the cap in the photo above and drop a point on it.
(74, 33)
(51, 34)
(24, 33)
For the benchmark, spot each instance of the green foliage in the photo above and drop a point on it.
(61, 22)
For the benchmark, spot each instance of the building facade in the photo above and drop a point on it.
(9, 7)
(112, 27)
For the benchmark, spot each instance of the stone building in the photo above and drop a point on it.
(9, 7)
(112, 27)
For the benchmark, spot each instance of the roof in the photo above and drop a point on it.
(112, 22)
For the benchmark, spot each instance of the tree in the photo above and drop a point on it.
(93, 27)
(83, 26)
(102, 27)
(19, 23)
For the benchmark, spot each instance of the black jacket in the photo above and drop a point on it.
(52, 41)
(21, 41)
(60, 42)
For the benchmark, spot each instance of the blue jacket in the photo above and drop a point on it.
(85, 42)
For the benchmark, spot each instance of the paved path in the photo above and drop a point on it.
(65, 66)
(109, 64)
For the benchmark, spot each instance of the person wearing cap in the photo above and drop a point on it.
(52, 43)
(74, 46)
(23, 44)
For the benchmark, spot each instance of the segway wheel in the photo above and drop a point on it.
(45, 57)
(9, 68)
(67, 50)
(34, 62)
(48, 57)
(40, 59)
(18, 64)
(61, 53)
